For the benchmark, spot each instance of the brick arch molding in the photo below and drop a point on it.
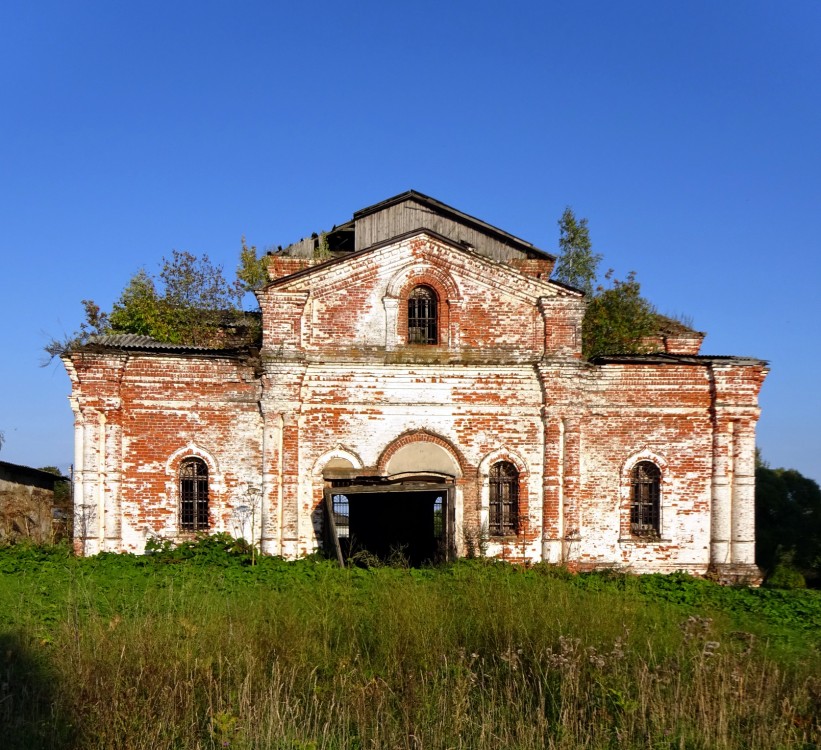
(503, 454)
(338, 452)
(423, 274)
(422, 436)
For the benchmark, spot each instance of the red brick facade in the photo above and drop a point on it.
(339, 404)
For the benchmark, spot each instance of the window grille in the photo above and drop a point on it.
(194, 495)
(438, 518)
(342, 515)
(422, 316)
(645, 509)
(504, 499)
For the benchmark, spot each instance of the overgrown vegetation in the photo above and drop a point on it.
(189, 301)
(194, 647)
(577, 264)
(252, 271)
(618, 320)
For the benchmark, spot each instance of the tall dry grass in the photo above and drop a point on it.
(473, 656)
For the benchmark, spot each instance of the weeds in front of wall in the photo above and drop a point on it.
(476, 539)
(197, 648)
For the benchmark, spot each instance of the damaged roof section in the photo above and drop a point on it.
(674, 337)
(227, 331)
(413, 211)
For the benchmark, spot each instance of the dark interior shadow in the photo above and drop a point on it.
(31, 716)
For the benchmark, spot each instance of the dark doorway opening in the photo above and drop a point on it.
(407, 525)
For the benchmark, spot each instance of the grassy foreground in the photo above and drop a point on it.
(198, 649)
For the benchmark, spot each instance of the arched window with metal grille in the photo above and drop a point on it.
(645, 506)
(503, 508)
(194, 495)
(423, 321)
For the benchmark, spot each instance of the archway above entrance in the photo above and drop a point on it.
(420, 458)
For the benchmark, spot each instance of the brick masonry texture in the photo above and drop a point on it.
(337, 391)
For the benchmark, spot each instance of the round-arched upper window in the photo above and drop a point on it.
(423, 322)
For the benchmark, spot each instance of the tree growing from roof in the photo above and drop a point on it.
(252, 272)
(188, 302)
(139, 310)
(618, 320)
(577, 265)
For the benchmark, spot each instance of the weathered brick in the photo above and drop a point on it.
(340, 387)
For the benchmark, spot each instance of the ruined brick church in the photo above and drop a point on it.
(420, 391)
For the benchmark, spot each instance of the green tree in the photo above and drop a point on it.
(62, 487)
(618, 320)
(788, 522)
(577, 265)
(188, 302)
(322, 251)
(252, 271)
(96, 323)
(192, 282)
(139, 309)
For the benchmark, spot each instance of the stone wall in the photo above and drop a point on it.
(27, 504)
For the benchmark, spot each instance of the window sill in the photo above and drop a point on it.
(643, 540)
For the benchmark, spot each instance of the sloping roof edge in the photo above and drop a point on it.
(678, 359)
(444, 208)
(673, 327)
(136, 342)
(32, 471)
(399, 238)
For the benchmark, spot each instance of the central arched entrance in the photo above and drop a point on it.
(404, 512)
(406, 521)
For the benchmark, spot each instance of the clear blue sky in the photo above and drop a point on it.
(688, 133)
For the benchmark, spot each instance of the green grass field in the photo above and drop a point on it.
(198, 648)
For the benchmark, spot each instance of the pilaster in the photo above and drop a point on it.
(743, 510)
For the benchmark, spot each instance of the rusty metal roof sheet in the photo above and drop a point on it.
(135, 341)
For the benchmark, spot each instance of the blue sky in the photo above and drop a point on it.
(688, 133)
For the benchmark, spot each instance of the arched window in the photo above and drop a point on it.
(423, 322)
(193, 495)
(504, 499)
(645, 506)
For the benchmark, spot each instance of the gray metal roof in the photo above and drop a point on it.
(678, 359)
(135, 341)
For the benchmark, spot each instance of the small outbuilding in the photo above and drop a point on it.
(27, 504)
